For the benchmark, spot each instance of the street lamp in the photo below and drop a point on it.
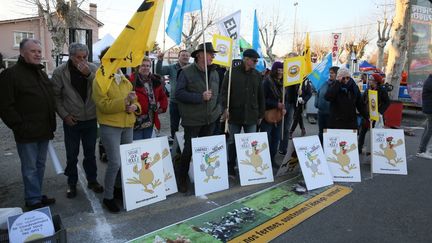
(295, 20)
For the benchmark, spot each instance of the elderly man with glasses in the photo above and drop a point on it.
(247, 102)
(344, 97)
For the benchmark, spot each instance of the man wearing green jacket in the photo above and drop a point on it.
(198, 106)
(246, 105)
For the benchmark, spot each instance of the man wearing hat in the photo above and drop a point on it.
(375, 83)
(247, 102)
(198, 106)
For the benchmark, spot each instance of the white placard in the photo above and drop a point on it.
(289, 162)
(31, 225)
(142, 173)
(388, 151)
(341, 151)
(253, 156)
(168, 168)
(210, 164)
(313, 162)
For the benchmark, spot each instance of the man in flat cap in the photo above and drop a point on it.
(246, 105)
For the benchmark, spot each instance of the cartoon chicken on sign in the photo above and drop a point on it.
(342, 157)
(145, 174)
(255, 158)
(388, 151)
(208, 167)
(313, 166)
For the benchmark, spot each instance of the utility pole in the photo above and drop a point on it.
(295, 23)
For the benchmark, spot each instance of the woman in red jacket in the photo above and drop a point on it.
(152, 98)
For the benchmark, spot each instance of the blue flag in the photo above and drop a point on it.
(256, 44)
(175, 19)
(321, 73)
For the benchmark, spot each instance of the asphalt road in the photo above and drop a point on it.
(382, 208)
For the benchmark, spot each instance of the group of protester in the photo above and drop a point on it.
(200, 98)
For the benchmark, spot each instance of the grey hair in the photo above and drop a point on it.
(76, 47)
(25, 40)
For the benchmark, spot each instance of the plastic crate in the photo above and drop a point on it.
(58, 237)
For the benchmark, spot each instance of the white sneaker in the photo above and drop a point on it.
(424, 155)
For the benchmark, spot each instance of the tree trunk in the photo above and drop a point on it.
(398, 47)
(380, 58)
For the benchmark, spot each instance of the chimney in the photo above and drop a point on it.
(93, 10)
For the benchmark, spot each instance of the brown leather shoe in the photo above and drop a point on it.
(95, 186)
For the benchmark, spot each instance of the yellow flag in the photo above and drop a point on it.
(307, 56)
(293, 73)
(224, 46)
(130, 46)
(373, 105)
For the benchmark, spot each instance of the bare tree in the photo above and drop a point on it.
(59, 16)
(269, 30)
(383, 37)
(399, 45)
(192, 33)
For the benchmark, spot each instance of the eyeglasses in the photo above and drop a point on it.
(347, 78)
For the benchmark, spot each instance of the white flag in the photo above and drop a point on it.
(230, 25)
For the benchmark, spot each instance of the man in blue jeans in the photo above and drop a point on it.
(246, 104)
(72, 82)
(27, 106)
(172, 70)
(427, 109)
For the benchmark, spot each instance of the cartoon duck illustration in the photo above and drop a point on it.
(388, 151)
(145, 174)
(342, 157)
(311, 165)
(255, 157)
(208, 168)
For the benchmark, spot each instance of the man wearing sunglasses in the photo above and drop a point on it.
(345, 100)
(247, 103)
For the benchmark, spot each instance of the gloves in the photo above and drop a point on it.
(300, 100)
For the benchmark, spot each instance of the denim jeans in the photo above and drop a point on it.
(287, 124)
(143, 133)
(174, 118)
(236, 129)
(33, 157)
(85, 132)
(426, 134)
(112, 138)
(273, 135)
(322, 124)
(189, 133)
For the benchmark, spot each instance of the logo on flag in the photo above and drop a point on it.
(373, 105)
(230, 25)
(224, 46)
(293, 73)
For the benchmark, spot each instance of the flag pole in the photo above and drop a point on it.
(205, 51)
(283, 115)
(164, 36)
(228, 97)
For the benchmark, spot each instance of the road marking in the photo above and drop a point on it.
(102, 228)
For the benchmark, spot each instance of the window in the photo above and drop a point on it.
(19, 36)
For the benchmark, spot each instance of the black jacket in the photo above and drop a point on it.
(27, 104)
(246, 96)
(383, 99)
(427, 95)
(344, 100)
